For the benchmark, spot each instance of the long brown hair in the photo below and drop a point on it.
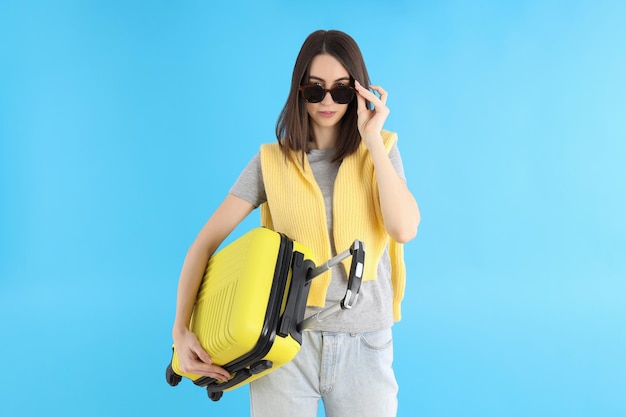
(293, 129)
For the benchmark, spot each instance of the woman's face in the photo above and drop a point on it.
(326, 71)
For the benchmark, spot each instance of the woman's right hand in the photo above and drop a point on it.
(193, 359)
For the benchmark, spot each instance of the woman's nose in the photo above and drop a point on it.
(328, 99)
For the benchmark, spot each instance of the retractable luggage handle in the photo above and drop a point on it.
(357, 250)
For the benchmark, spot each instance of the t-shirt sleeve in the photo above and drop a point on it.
(396, 160)
(249, 186)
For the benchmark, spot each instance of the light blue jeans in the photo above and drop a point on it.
(350, 372)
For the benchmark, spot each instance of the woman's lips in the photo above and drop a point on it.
(327, 113)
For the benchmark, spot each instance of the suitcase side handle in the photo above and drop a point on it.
(213, 386)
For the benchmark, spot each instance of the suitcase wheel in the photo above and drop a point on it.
(215, 396)
(172, 377)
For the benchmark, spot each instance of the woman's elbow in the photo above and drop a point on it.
(404, 237)
(404, 234)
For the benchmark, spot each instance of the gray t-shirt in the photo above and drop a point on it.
(373, 308)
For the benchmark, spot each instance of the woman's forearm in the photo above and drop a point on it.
(400, 211)
(227, 216)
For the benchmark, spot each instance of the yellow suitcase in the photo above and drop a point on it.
(249, 312)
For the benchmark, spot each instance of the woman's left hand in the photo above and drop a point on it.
(370, 122)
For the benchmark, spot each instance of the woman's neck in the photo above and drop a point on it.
(325, 137)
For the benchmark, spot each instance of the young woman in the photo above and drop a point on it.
(333, 176)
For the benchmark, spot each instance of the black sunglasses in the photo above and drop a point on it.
(314, 93)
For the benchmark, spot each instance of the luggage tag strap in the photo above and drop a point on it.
(357, 251)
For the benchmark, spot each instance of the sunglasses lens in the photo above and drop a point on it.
(342, 95)
(313, 94)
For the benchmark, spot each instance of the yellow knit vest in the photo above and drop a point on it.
(295, 206)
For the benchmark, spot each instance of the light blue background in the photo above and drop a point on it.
(123, 125)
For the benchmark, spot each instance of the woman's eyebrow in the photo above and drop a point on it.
(313, 77)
